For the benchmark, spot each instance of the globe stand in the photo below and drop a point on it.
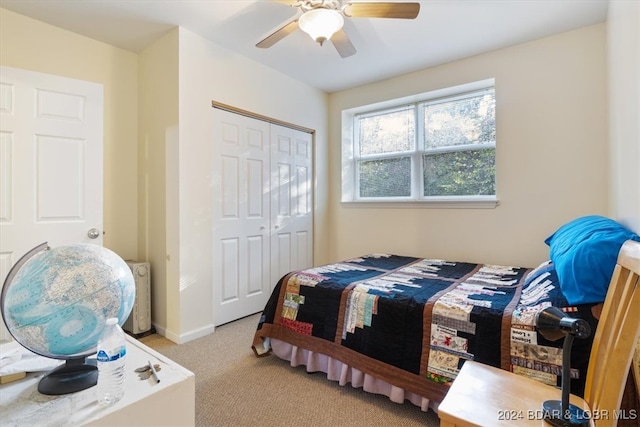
(76, 374)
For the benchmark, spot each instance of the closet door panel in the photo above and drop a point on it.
(303, 245)
(240, 216)
(282, 246)
(230, 270)
(291, 211)
(229, 166)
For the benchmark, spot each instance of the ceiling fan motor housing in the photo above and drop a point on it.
(307, 5)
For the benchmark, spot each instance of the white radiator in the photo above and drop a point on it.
(139, 320)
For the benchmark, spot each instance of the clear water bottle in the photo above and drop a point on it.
(112, 349)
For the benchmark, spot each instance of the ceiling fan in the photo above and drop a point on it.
(323, 20)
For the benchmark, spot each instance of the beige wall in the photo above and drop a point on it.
(32, 45)
(158, 113)
(552, 151)
(623, 35)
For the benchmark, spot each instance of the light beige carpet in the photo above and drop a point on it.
(235, 388)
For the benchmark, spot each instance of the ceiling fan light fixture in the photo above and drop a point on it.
(321, 24)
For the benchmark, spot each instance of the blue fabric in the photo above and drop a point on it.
(584, 252)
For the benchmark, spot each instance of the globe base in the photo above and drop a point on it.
(75, 375)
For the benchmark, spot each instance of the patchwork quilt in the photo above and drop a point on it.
(413, 321)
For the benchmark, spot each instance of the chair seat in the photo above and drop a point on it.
(483, 395)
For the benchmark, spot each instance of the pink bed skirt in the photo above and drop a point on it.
(344, 374)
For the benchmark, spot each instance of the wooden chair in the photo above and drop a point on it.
(482, 395)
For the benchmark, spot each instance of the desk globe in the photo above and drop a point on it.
(55, 303)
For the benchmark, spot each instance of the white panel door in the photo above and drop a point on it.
(240, 215)
(51, 131)
(291, 201)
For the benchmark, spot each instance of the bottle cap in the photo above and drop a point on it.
(112, 321)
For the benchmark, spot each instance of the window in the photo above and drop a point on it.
(438, 148)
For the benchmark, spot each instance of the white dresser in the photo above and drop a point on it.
(171, 402)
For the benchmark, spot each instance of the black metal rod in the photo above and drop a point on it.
(566, 375)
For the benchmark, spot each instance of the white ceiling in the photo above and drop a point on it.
(444, 31)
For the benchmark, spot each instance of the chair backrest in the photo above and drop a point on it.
(616, 336)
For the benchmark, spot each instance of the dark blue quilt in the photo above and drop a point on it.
(413, 322)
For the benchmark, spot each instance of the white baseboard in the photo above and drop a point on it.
(183, 338)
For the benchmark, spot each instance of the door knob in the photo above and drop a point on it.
(94, 233)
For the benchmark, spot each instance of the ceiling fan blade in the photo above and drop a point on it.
(278, 35)
(382, 10)
(342, 44)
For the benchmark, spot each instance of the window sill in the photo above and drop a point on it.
(444, 203)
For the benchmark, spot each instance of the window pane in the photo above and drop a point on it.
(460, 122)
(460, 173)
(389, 132)
(385, 178)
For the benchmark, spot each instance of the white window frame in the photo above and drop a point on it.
(350, 182)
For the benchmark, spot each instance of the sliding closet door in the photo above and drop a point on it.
(291, 201)
(241, 216)
(262, 210)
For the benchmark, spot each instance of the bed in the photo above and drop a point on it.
(402, 326)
